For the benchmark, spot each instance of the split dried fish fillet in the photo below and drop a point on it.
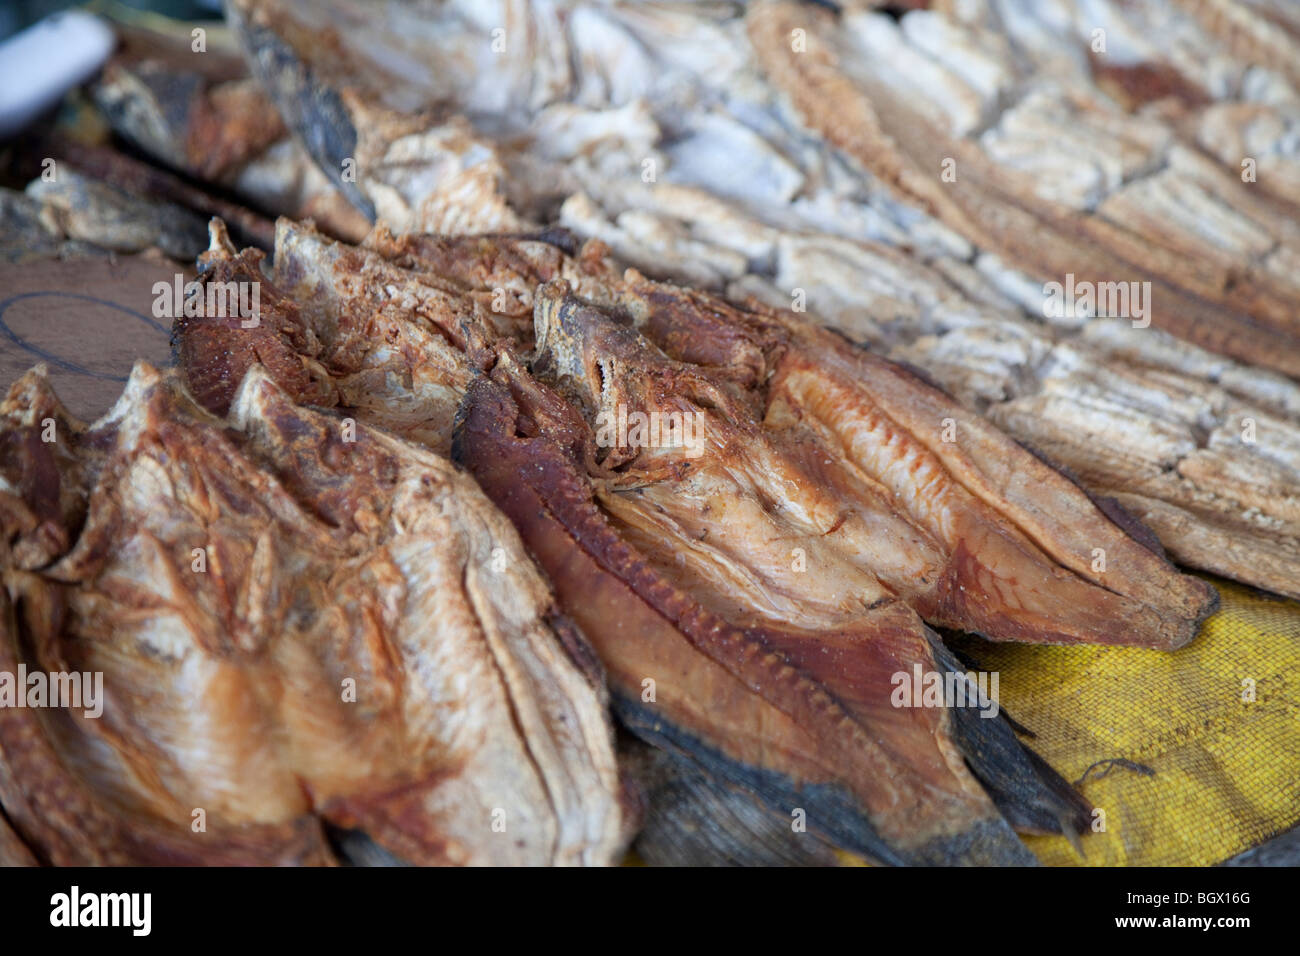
(300, 627)
(798, 715)
(905, 446)
(589, 101)
(689, 571)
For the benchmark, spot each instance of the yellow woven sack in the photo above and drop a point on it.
(1192, 756)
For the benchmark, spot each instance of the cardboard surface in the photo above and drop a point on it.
(88, 319)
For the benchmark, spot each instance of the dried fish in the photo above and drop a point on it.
(86, 210)
(984, 519)
(686, 575)
(397, 339)
(27, 234)
(176, 117)
(205, 117)
(1218, 258)
(299, 622)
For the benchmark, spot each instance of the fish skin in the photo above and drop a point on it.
(695, 818)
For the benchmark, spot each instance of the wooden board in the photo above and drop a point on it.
(88, 319)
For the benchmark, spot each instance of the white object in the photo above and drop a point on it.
(47, 59)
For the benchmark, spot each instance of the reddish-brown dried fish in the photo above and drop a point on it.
(948, 512)
(768, 576)
(302, 625)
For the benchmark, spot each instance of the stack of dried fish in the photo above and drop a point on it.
(321, 640)
(914, 182)
(752, 593)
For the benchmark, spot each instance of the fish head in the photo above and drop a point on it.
(584, 349)
(629, 392)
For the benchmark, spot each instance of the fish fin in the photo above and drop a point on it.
(1029, 793)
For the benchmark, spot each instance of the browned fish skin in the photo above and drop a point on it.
(332, 555)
